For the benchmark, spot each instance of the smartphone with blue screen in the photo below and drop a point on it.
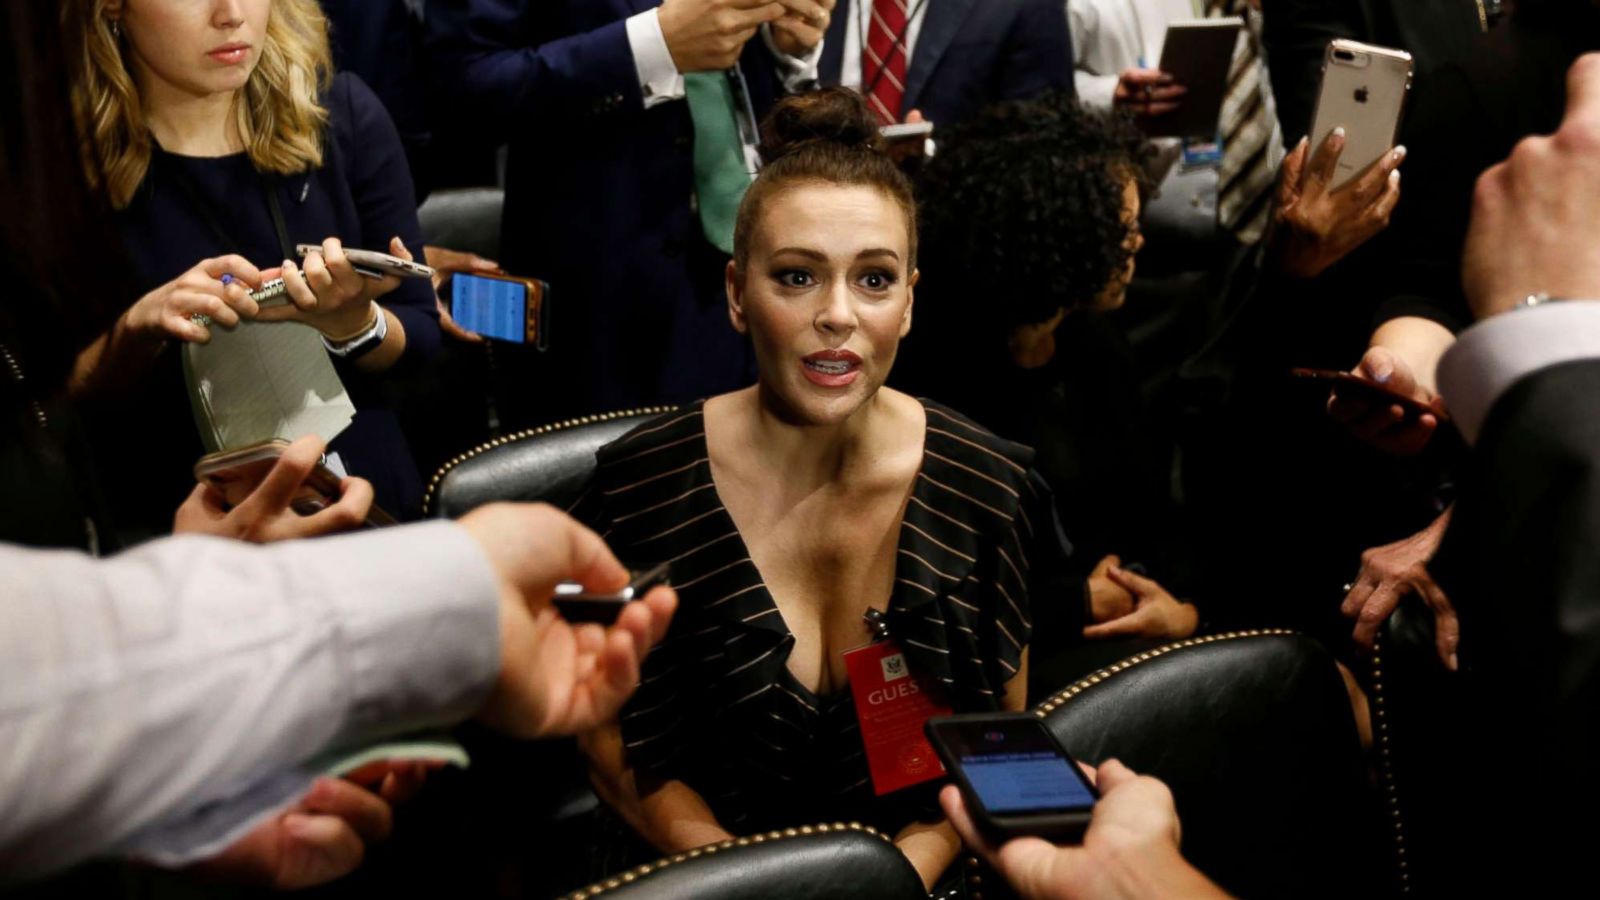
(501, 307)
(1015, 778)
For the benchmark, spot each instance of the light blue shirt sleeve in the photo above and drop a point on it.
(174, 690)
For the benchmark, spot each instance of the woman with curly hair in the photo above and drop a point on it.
(223, 136)
(1030, 216)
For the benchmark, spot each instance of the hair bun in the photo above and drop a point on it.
(834, 115)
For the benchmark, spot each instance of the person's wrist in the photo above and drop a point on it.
(345, 325)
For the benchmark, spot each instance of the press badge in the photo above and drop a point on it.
(892, 705)
(1198, 154)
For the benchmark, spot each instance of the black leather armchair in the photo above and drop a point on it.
(834, 861)
(1252, 730)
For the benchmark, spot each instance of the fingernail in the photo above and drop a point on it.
(1394, 177)
(1455, 664)
(1304, 140)
(288, 265)
(1339, 132)
(1399, 153)
(1382, 372)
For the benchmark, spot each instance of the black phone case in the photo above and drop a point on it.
(1064, 828)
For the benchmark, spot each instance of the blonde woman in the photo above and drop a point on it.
(224, 138)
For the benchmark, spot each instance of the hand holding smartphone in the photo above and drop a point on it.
(1016, 780)
(236, 474)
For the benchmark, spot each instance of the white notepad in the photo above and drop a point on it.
(262, 381)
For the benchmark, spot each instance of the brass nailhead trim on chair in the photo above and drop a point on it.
(439, 476)
(1083, 684)
(1391, 791)
(632, 875)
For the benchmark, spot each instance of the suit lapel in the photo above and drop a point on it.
(831, 62)
(939, 28)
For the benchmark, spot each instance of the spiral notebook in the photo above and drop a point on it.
(262, 381)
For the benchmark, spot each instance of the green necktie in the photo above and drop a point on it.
(720, 176)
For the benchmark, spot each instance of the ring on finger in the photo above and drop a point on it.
(201, 319)
(1349, 586)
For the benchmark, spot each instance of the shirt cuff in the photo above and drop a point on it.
(798, 73)
(1495, 354)
(420, 628)
(659, 78)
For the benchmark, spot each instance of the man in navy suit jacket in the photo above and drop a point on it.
(962, 54)
(600, 190)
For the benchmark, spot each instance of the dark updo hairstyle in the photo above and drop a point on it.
(830, 137)
(1024, 207)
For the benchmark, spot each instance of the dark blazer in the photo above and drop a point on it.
(1296, 34)
(1520, 563)
(378, 40)
(599, 198)
(971, 53)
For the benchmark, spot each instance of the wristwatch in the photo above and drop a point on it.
(365, 342)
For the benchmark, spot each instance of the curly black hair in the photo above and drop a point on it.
(1022, 208)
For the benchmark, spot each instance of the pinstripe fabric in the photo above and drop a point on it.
(718, 707)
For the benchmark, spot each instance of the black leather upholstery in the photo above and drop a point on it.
(466, 220)
(550, 464)
(1254, 734)
(838, 863)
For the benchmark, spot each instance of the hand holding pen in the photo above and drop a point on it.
(214, 291)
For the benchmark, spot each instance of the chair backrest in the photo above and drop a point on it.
(840, 862)
(1254, 733)
(467, 219)
(549, 464)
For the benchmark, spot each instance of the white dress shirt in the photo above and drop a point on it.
(1495, 354)
(1110, 36)
(659, 78)
(160, 703)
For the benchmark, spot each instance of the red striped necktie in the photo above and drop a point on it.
(883, 59)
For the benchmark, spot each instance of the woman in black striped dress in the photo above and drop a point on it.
(790, 509)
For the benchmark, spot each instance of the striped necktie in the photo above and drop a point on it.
(1251, 147)
(883, 60)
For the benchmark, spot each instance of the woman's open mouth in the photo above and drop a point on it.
(831, 368)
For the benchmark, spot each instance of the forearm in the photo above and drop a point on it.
(115, 356)
(930, 847)
(1419, 342)
(1147, 875)
(210, 669)
(677, 818)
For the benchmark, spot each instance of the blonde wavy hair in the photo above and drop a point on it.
(278, 112)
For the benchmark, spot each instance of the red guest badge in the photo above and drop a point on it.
(892, 704)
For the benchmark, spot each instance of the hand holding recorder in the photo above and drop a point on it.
(336, 290)
(557, 678)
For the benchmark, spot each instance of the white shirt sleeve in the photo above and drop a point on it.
(1095, 75)
(659, 78)
(796, 72)
(187, 679)
(1495, 354)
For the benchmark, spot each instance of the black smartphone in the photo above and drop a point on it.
(577, 605)
(1354, 387)
(501, 307)
(1014, 776)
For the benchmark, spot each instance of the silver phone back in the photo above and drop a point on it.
(1364, 89)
